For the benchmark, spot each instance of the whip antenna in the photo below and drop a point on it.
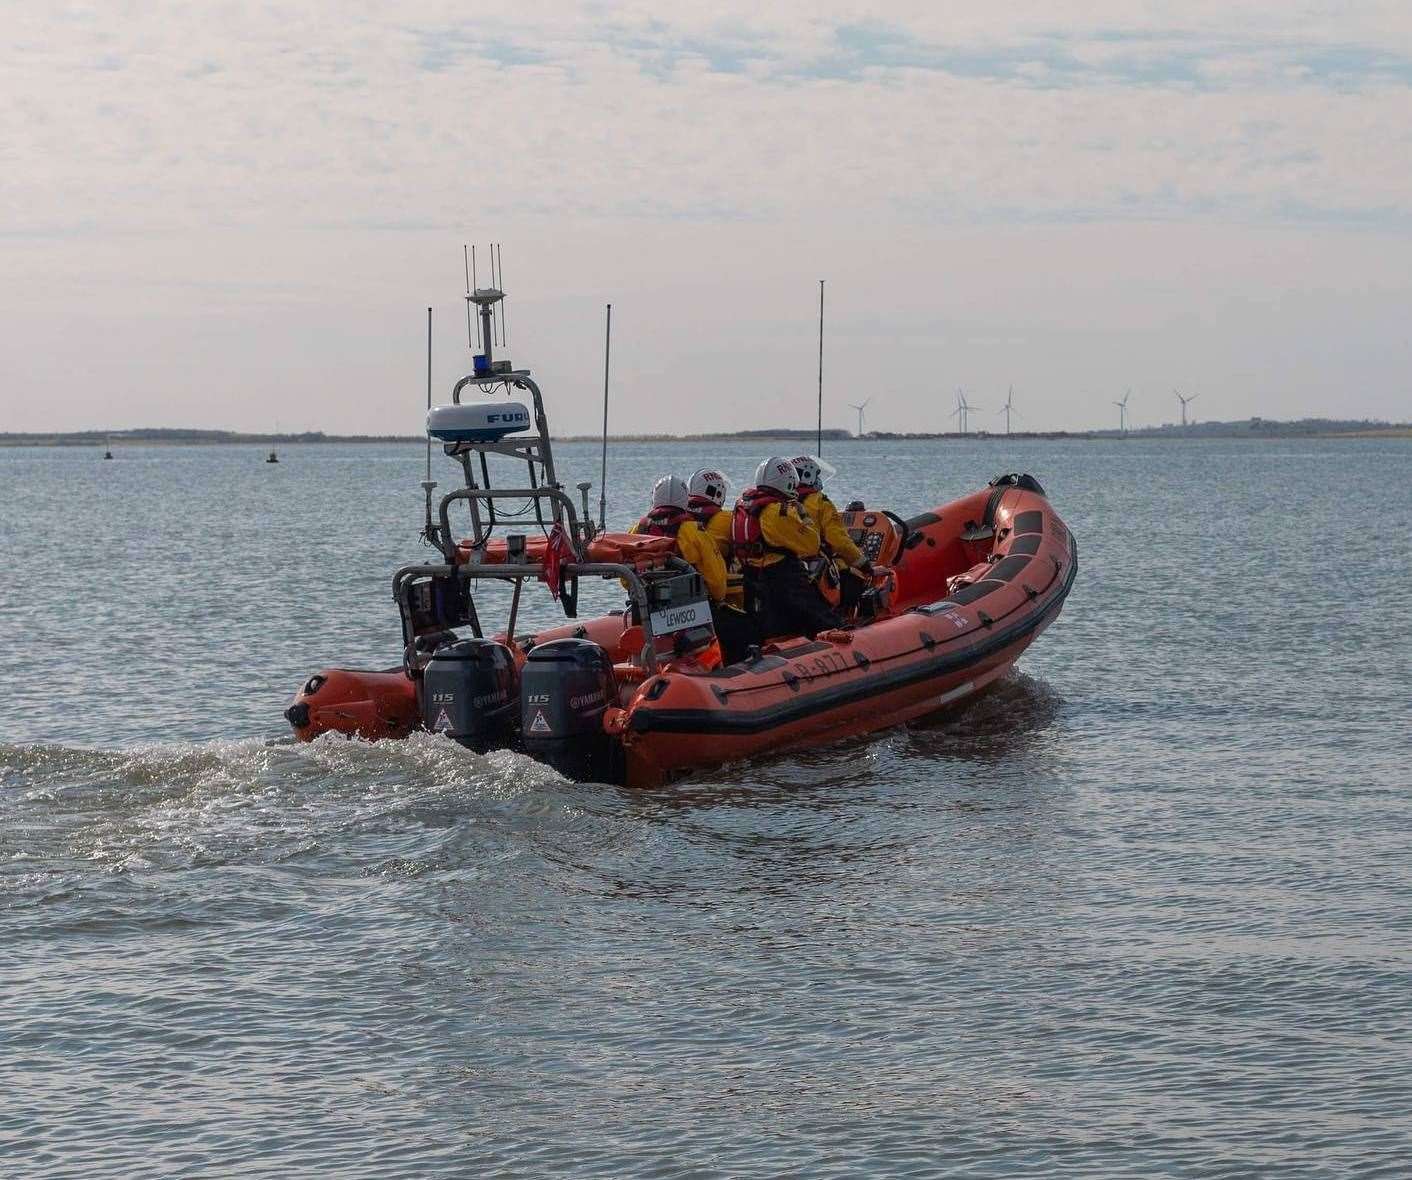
(819, 428)
(494, 338)
(504, 303)
(465, 258)
(495, 282)
(428, 484)
(603, 476)
(468, 312)
(475, 282)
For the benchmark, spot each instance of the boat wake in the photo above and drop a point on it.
(70, 811)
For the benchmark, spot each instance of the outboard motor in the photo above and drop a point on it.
(469, 693)
(566, 687)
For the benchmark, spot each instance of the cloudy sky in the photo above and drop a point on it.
(235, 215)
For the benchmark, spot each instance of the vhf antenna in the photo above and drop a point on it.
(498, 333)
(429, 533)
(474, 284)
(504, 304)
(495, 321)
(603, 476)
(465, 257)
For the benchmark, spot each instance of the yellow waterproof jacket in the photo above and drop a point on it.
(784, 526)
(700, 550)
(718, 528)
(836, 539)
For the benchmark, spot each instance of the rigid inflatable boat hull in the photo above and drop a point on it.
(976, 581)
(924, 660)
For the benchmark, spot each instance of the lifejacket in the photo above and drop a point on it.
(747, 538)
(665, 521)
(805, 489)
(703, 508)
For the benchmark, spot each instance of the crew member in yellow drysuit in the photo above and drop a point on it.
(708, 488)
(772, 537)
(855, 571)
(669, 516)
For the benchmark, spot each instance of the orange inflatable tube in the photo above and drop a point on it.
(940, 645)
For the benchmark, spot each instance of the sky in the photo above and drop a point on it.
(235, 215)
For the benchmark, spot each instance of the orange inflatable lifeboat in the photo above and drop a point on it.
(976, 581)
(971, 584)
(644, 694)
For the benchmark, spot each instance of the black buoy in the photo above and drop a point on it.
(273, 458)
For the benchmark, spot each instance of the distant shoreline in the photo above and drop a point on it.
(1244, 429)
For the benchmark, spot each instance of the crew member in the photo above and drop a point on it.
(855, 571)
(708, 488)
(669, 516)
(773, 537)
(706, 498)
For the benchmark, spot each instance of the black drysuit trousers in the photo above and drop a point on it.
(785, 601)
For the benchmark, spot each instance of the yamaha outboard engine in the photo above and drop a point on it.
(469, 693)
(566, 686)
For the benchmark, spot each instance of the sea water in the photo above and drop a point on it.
(1144, 909)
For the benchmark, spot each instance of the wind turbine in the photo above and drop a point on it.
(967, 407)
(1009, 408)
(1123, 412)
(963, 408)
(1184, 401)
(860, 410)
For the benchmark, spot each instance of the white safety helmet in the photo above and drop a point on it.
(807, 468)
(777, 472)
(710, 483)
(669, 492)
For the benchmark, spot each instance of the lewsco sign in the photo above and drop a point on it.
(680, 618)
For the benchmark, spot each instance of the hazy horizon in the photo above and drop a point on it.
(228, 220)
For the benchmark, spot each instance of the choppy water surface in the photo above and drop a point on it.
(1142, 910)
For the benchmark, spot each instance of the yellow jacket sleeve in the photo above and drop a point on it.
(718, 527)
(835, 536)
(787, 526)
(699, 549)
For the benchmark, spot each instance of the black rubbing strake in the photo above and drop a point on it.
(1026, 545)
(971, 593)
(1007, 568)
